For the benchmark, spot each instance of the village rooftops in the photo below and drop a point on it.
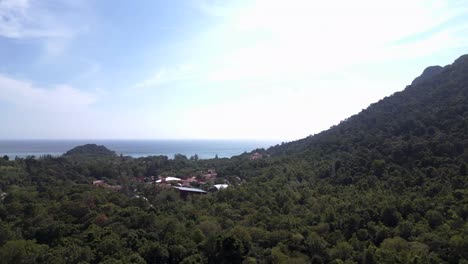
(220, 186)
(99, 182)
(187, 189)
(255, 156)
(187, 182)
(167, 179)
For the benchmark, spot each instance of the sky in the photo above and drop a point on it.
(209, 69)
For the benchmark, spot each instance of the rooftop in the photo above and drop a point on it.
(187, 189)
(221, 186)
(169, 179)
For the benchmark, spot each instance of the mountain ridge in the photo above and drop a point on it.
(424, 90)
(428, 73)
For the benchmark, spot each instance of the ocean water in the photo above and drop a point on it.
(205, 149)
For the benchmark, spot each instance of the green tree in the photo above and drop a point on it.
(316, 245)
(229, 249)
(23, 252)
(390, 217)
(343, 250)
(434, 218)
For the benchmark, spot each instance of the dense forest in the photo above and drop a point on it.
(388, 185)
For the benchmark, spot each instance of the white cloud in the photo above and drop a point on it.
(53, 23)
(26, 19)
(285, 112)
(218, 8)
(91, 69)
(282, 41)
(265, 68)
(64, 112)
(61, 98)
(306, 37)
(301, 66)
(166, 75)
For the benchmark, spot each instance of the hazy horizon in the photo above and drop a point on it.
(204, 149)
(144, 139)
(202, 69)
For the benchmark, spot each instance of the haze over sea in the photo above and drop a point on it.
(205, 149)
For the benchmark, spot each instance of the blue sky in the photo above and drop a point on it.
(266, 69)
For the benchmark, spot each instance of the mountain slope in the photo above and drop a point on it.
(428, 118)
(90, 150)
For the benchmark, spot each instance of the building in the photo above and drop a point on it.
(210, 175)
(169, 180)
(103, 184)
(99, 183)
(188, 182)
(185, 191)
(255, 156)
(218, 187)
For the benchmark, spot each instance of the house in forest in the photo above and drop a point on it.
(99, 183)
(103, 184)
(255, 156)
(210, 175)
(186, 191)
(218, 187)
(169, 180)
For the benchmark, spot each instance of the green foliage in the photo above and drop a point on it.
(23, 251)
(90, 150)
(388, 185)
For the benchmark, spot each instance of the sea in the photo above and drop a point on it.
(205, 149)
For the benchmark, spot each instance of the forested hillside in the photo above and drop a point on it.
(90, 151)
(388, 185)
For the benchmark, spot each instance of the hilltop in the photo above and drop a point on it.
(429, 117)
(90, 150)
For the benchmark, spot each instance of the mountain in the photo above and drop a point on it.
(430, 116)
(427, 74)
(90, 150)
(387, 185)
